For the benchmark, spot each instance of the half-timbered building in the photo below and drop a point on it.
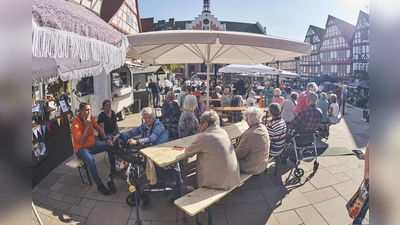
(335, 51)
(360, 45)
(123, 15)
(310, 65)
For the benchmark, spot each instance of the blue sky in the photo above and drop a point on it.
(283, 18)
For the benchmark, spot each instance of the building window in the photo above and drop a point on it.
(129, 19)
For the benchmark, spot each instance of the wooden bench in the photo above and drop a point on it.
(79, 163)
(227, 123)
(202, 199)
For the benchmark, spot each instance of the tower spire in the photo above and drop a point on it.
(206, 5)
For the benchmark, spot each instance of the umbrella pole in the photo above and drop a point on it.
(208, 84)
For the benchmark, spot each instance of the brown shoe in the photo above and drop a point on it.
(102, 189)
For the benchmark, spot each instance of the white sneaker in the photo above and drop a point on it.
(190, 188)
(362, 119)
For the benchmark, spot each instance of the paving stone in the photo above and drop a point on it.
(62, 171)
(57, 187)
(252, 195)
(75, 219)
(310, 216)
(235, 196)
(105, 211)
(272, 220)
(122, 196)
(74, 190)
(328, 161)
(248, 213)
(56, 222)
(45, 210)
(337, 169)
(334, 211)
(321, 195)
(323, 179)
(74, 173)
(159, 210)
(306, 187)
(45, 219)
(280, 199)
(342, 177)
(94, 194)
(214, 222)
(55, 196)
(71, 199)
(49, 180)
(87, 203)
(62, 206)
(60, 215)
(36, 197)
(46, 201)
(356, 174)
(288, 218)
(163, 223)
(82, 211)
(42, 192)
(144, 222)
(256, 183)
(35, 189)
(68, 179)
(347, 188)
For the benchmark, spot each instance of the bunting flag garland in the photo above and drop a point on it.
(48, 127)
(69, 117)
(40, 130)
(58, 121)
(35, 132)
(62, 120)
(44, 129)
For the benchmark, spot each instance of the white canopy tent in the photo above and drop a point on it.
(212, 47)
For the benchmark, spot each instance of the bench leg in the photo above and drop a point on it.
(209, 211)
(87, 173)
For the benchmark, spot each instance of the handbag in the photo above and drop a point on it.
(355, 204)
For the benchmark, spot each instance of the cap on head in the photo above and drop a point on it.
(196, 93)
(312, 96)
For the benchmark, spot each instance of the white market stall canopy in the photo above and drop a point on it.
(241, 68)
(72, 42)
(287, 74)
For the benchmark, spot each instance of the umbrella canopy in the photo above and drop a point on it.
(71, 42)
(212, 47)
(359, 85)
(327, 78)
(287, 74)
(241, 68)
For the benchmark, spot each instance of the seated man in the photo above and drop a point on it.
(152, 131)
(216, 164)
(308, 119)
(276, 131)
(253, 145)
(85, 143)
(216, 93)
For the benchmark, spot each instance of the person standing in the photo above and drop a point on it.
(338, 93)
(85, 144)
(302, 103)
(155, 91)
(288, 106)
(167, 85)
(344, 98)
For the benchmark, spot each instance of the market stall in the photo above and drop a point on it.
(68, 42)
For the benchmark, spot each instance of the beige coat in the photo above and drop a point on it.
(252, 150)
(216, 166)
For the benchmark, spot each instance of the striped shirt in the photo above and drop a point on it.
(277, 135)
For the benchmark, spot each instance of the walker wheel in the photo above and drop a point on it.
(130, 200)
(299, 172)
(316, 165)
(111, 186)
(146, 201)
(170, 199)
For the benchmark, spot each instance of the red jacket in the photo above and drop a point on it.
(338, 93)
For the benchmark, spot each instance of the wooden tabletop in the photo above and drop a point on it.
(229, 108)
(162, 155)
(212, 99)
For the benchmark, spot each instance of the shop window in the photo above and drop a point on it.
(85, 86)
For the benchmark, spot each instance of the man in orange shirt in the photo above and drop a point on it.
(85, 143)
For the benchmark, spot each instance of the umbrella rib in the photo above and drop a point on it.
(216, 55)
(197, 52)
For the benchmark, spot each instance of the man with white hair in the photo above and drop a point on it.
(301, 102)
(216, 93)
(216, 164)
(252, 149)
(152, 131)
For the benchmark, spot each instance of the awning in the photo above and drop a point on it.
(70, 41)
(151, 70)
(359, 85)
(327, 78)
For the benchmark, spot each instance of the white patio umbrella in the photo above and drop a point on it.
(70, 41)
(212, 47)
(251, 69)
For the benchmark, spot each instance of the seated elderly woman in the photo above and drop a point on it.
(252, 149)
(216, 164)
(225, 98)
(188, 124)
(152, 131)
(277, 97)
(251, 99)
(323, 104)
(170, 108)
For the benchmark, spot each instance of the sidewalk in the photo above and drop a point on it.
(264, 200)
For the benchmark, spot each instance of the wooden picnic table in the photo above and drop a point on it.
(162, 155)
(211, 99)
(234, 109)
